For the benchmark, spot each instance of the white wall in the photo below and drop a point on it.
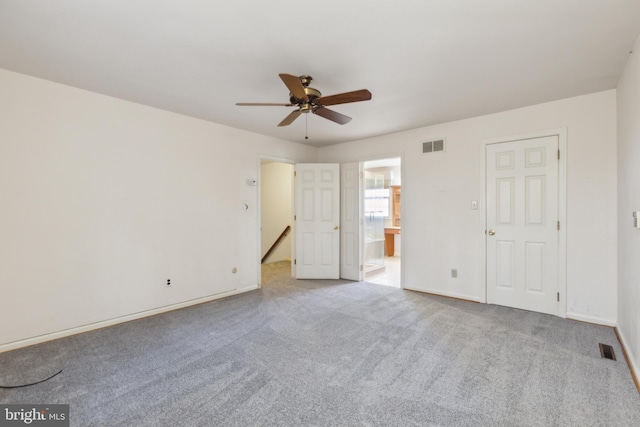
(629, 201)
(103, 200)
(276, 189)
(441, 232)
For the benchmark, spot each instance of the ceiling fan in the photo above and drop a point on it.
(308, 99)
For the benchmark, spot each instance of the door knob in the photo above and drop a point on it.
(491, 232)
(335, 227)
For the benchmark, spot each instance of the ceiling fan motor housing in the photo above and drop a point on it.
(311, 93)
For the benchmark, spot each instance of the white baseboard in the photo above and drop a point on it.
(110, 322)
(632, 359)
(444, 294)
(589, 319)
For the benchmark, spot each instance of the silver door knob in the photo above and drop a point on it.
(335, 227)
(491, 232)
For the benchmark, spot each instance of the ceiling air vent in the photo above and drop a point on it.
(433, 146)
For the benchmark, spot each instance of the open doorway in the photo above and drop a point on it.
(276, 214)
(382, 221)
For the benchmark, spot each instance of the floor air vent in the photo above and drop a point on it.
(606, 351)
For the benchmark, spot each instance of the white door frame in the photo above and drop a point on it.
(561, 133)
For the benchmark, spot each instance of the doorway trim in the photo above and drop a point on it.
(561, 133)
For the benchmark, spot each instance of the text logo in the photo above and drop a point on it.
(34, 415)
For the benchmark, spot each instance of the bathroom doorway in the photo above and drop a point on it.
(382, 221)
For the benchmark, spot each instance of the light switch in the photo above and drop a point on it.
(474, 204)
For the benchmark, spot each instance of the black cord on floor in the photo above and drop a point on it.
(27, 385)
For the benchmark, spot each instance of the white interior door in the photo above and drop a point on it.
(350, 254)
(522, 224)
(317, 220)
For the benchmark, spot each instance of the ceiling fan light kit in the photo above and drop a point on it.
(310, 100)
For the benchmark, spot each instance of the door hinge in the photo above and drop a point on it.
(558, 296)
(558, 225)
(558, 154)
(294, 218)
(295, 173)
(294, 262)
(361, 268)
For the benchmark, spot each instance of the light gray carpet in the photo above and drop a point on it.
(332, 353)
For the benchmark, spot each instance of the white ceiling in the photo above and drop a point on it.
(425, 61)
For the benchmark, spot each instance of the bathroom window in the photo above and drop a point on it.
(376, 200)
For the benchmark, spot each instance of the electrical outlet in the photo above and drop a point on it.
(168, 282)
(454, 273)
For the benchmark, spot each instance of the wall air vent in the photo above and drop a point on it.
(433, 146)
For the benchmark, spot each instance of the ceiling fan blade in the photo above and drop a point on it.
(332, 115)
(344, 98)
(290, 118)
(295, 86)
(262, 104)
